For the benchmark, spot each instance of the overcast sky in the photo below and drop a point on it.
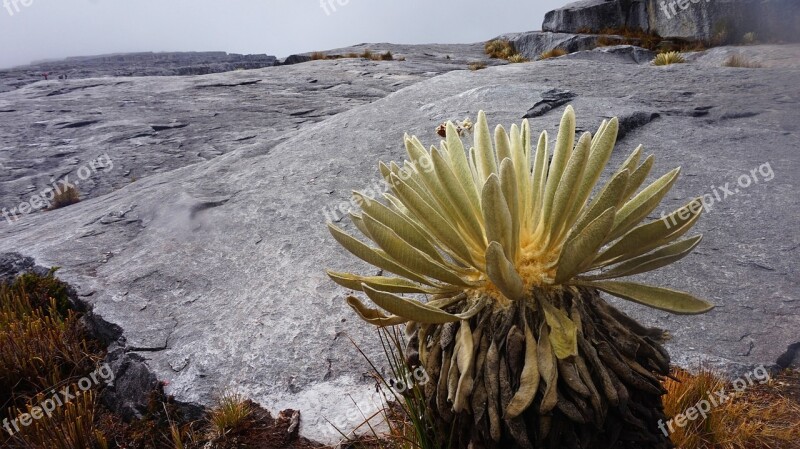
(61, 28)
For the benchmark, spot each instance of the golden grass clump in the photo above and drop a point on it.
(318, 55)
(750, 38)
(499, 49)
(41, 342)
(69, 426)
(367, 54)
(757, 417)
(517, 58)
(231, 412)
(388, 56)
(740, 61)
(63, 198)
(667, 58)
(554, 53)
(475, 66)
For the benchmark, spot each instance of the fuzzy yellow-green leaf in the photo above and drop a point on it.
(508, 184)
(485, 161)
(461, 168)
(496, 216)
(579, 252)
(458, 197)
(538, 179)
(374, 256)
(433, 221)
(568, 188)
(635, 210)
(409, 309)
(382, 283)
(408, 256)
(610, 196)
(401, 225)
(373, 316)
(656, 297)
(638, 176)
(601, 149)
(667, 255)
(502, 273)
(647, 237)
(561, 154)
(502, 143)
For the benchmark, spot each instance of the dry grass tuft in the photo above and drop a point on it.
(758, 417)
(499, 49)
(63, 198)
(474, 66)
(42, 343)
(667, 58)
(517, 58)
(318, 55)
(230, 414)
(388, 56)
(70, 426)
(742, 62)
(750, 38)
(554, 53)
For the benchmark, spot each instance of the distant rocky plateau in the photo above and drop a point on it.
(133, 64)
(200, 241)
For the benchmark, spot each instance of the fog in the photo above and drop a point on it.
(44, 29)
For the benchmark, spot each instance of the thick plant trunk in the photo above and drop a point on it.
(608, 396)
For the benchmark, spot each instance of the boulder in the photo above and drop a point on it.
(725, 21)
(707, 20)
(584, 16)
(624, 54)
(296, 59)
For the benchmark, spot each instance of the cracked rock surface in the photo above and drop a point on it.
(211, 263)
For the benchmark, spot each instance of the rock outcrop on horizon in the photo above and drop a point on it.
(703, 20)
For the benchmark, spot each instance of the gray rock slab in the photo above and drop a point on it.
(56, 131)
(133, 64)
(533, 43)
(214, 270)
(622, 54)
